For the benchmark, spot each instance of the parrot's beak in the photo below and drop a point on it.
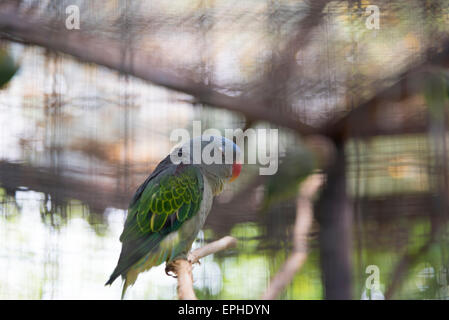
(236, 168)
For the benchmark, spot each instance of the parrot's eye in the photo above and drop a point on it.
(180, 153)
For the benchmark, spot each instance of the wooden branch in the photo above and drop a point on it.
(91, 49)
(211, 248)
(183, 268)
(284, 67)
(335, 217)
(401, 268)
(303, 223)
(363, 119)
(409, 259)
(62, 188)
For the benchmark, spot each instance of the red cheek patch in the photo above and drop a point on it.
(236, 168)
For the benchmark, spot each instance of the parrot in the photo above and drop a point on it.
(297, 164)
(169, 209)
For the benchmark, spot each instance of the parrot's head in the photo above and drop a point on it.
(218, 158)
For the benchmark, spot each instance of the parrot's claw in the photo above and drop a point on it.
(193, 259)
(169, 268)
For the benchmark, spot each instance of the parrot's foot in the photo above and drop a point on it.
(170, 270)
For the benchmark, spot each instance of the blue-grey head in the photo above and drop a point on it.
(216, 156)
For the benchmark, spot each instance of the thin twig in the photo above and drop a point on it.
(303, 223)
(183, 268)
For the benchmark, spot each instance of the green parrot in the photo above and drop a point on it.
(297, 165)
(170, 207)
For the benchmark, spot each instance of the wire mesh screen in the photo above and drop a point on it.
(89, 115)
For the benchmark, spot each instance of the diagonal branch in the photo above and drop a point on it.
(108, 53)
(401, 267)
(283, 67)
(362, 120)
(211, 248)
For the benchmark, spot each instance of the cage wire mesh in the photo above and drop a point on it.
(77, 139)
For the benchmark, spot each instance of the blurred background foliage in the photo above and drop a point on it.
(76, 139)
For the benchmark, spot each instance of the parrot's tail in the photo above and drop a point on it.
(128, 282)
(130, 279)
(110, 281)
(125, 286)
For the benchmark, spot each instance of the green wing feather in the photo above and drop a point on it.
(172, 194)
(160, 206)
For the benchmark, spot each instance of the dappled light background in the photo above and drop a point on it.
(77, 139)
(100, 135)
